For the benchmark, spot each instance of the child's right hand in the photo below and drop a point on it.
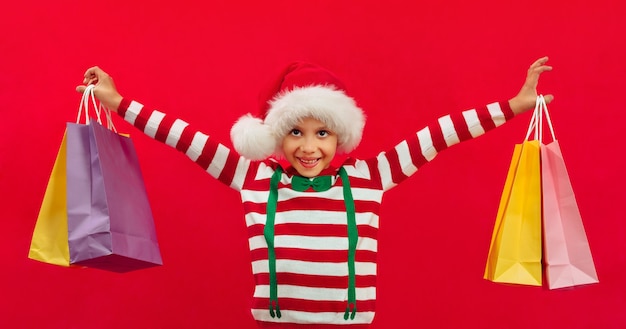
(104, 90)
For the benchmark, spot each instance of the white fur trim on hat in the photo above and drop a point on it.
(252, 139)
(257, 140)
(325, 103)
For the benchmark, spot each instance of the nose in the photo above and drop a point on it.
(308, 145)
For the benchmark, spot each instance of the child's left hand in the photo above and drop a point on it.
(527, 96)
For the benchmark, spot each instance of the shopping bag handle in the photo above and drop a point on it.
(89, 95)
(544, 106)
(536, 122)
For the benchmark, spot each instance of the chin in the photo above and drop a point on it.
(308, 172)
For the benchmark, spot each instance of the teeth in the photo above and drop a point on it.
(308, 161)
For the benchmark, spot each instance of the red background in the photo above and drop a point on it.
(406, 62)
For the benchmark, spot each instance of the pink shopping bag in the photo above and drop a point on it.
(567, 255)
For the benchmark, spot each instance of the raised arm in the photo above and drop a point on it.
(216, 159)
(405, 158)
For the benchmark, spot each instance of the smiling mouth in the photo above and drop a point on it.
(309, 163)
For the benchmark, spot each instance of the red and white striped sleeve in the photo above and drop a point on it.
(219, 161)
(404, 159)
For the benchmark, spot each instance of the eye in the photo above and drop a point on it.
(323, 133)
(295, 132)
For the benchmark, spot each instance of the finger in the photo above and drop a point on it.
(534, 73)
(89, 76)
(539, 62)
(548, 98)
(89, 73)
(94, 70)
(93, 74)
(537, 70)
(81, 89)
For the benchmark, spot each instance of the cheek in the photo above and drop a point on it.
(331, 148)
(287, 147)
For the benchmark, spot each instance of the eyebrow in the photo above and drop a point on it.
(298, 127)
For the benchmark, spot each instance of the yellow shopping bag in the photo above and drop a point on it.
(515, 251)
(49, 243)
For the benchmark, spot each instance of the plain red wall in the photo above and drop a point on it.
(406, 62)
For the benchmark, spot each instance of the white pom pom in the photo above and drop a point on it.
(252, 138)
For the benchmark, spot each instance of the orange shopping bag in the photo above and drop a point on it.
(515, 250)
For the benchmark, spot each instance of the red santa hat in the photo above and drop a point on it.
(302, 90)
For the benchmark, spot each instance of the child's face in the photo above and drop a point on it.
(310, 147)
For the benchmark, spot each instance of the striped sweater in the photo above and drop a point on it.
(309, 236)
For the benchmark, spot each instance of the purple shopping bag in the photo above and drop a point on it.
(110, 223)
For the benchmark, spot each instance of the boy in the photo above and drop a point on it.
(312, 227)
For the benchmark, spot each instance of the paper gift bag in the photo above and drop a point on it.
(110, 222)
(515, 251)
(567, 255)
(49, 241)
(95, 211)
